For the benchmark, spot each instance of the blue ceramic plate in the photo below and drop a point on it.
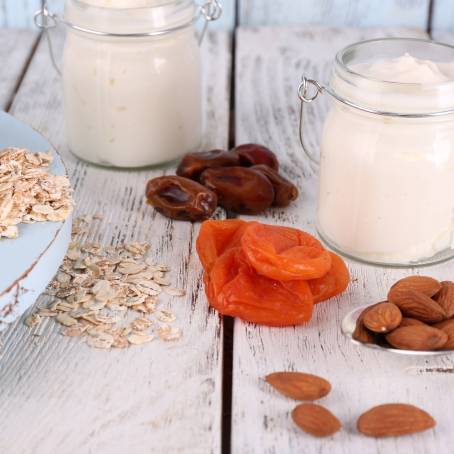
(28, 263)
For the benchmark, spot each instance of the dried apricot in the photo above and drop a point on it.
(235, 289)
(284, 253)
(215, 237)
(333, 283)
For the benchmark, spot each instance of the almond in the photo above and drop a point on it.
(417, 305)
(423, 284)
(447, 326)
(361, 333)
(382, 318)
(394, 419)
(299, 386)
(406, 321)
(445, 298)
(315, 420)
(422, 338)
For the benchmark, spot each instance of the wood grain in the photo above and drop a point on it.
(15, 50)
(409, 13)
(270, 63)
(58, 395)
(443, 16)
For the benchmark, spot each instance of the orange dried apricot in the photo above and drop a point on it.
(284, 253)
(215, 237)
(235, 289)
(333, 283)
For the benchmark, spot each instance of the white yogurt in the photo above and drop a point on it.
(387, 183)
(132, 102)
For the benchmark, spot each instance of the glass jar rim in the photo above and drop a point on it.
(344, 66)
(128, 8)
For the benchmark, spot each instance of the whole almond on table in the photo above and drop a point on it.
(445, 298)
(298, 385)
(423, 284)
(382, 318)
(417, 337)
(315, 420)
(416, 304)
(394, 419)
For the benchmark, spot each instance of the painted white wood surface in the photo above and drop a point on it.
(270, 63)
(409, 13)
(443, 16)
(58, 395)
(15, 50)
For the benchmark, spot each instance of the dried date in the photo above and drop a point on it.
(193, 164)
(239, 189)
(285, 192)
(251, 154)
(180, 198)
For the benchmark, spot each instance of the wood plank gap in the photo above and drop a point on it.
(229, 322)
(23, 72)
(227, 384)
(430, 14)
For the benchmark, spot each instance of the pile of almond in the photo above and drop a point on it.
(381, 421)
(418, 315)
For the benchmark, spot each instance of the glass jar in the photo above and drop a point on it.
(386, 190)
(132, 80)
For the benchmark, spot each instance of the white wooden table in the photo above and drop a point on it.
(205, 394)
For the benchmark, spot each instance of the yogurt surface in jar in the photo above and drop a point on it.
(387, 183)
(129, 101)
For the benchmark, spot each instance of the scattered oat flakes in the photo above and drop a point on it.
(98, 288)
(139, 338)
(33, 320)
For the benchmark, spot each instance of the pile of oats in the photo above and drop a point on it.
(97, 289)
(28, 193)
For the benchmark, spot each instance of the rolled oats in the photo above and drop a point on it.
(28, 193)
(97, 288)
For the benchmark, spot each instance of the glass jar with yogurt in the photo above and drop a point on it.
(132, 79)
(386, 190)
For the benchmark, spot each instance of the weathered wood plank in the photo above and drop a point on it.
(15, 50)
(18, 13)
(159, 398)
(443, 16)
(357, 13)
(270, 63)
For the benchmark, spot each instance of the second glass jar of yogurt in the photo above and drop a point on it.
(132, 80)
(387, 152)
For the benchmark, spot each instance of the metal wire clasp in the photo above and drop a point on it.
(306, 97)
(211, 11)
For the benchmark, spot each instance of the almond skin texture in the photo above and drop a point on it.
(415, 304)
(423, 284)
(382, 318)
(315, 420)
(445, 298)
(406, 321)
(392, 420)
(361, 333)
(421, 338)
(299, 386)
(448, 327)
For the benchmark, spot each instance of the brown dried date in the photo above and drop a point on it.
(239, 189)
(180, 198)
(252, 154)
(193, 164)
(284, 191)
